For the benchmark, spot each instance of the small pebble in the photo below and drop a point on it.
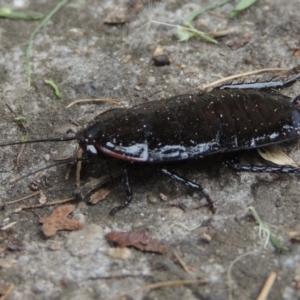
(163, 197)
(152, 199)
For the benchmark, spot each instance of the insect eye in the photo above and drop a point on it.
(91, 149)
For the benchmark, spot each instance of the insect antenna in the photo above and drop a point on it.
(66, 161)
(63, 162)
(40, 141)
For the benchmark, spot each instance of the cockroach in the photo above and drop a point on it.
(230, 118)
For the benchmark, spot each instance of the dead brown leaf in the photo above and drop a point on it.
(296, 52)
(138, 239)
(276, 156)
(59, 220)
(98, 196)
(158, 50)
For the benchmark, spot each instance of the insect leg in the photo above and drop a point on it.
(263, 169)
(262, 85)
(296, 100)
(128, 194)
(291, 80)
(192, 185)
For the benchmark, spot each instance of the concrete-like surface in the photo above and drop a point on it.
(88, 59)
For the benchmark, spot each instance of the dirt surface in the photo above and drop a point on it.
(89, 59)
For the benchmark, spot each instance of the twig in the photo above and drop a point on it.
(158, 285)
(48, 203)
(7, 292)
(23, 198)
(267, 286)
(183, 264)
(217, 82)
(8, 226)
(109, 100)
(33, 34)
(78, 167)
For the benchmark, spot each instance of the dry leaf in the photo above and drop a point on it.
(59, 220)
(276, 156)
(158, 50)
(138, 239)
(98, 196)
(296, 52)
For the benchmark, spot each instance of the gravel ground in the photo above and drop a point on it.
(90, 59)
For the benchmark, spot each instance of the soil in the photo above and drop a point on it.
(89, 59)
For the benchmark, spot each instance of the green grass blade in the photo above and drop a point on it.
(200, 11)
(244, 4)
(19, 15)
(33, 34)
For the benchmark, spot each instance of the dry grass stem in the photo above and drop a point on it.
(267, 286)
(108, 100)
(220, 81)
(158, 285)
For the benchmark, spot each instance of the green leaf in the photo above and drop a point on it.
(33, 34)
(200, 11)
(185, 33)
(241, 6)
(19, 15)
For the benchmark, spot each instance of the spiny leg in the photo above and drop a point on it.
(296, 100)
(233, 162)
(262, 85)
(263, 169)
(192, 185)
(128, 194)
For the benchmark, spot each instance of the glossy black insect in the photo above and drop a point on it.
(230, 118)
